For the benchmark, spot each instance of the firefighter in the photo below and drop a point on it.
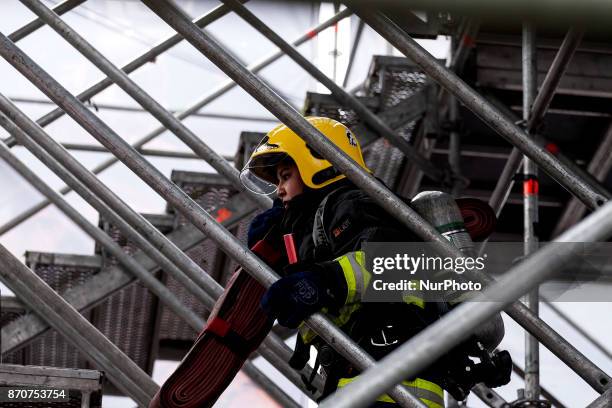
(329, 218)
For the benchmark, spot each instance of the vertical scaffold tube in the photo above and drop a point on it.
(530, 209)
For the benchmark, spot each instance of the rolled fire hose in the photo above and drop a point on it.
(236, 327)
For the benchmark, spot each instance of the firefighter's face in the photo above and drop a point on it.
(289, 181)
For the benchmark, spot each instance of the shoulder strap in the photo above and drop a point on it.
(319, 235)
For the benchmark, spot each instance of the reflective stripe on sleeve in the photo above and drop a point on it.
(345, 264)
(356, 276)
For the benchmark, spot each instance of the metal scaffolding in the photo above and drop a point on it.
(168, 253)
(530, 209)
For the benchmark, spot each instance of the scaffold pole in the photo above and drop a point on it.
(29, 28)
(44, 301)
(530, 208)
(542, 101)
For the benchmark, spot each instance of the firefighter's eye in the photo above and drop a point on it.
(284, 176)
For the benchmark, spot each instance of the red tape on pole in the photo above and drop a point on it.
(531, 187)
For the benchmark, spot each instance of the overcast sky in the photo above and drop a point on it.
(122, 30)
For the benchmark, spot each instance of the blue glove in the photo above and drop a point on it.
(295, 297)
(263, 222)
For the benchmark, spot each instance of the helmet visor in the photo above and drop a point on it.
(259, 174)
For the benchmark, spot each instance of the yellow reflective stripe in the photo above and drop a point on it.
(428, 392)
(358, 278)
(307, 334)
(367, 276)
(356, 275)
(345, 264)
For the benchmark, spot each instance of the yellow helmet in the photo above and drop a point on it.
(281, 143)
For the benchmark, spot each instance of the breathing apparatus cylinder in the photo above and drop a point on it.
(441, 210)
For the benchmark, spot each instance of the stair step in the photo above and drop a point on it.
(207, 189)
(126, 317)
(393, 79)
(163, 222)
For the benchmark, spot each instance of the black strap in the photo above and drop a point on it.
(229, 337)
(308, 381)
(300, 355)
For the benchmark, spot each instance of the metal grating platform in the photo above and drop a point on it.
(209, 190)
(393, 80)
(61, 272)
(128, 317)
(11, 310)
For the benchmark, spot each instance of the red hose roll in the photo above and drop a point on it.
(478, 217)
(236, 327)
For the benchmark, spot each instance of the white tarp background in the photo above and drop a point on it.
(122, 30)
